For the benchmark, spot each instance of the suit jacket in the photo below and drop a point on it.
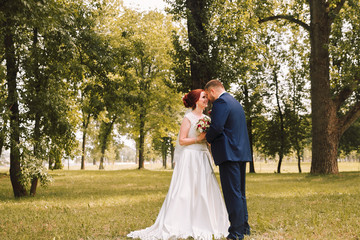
(228, 133)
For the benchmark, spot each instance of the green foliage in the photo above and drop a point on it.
(344, 53)
(271, 142)
(31, 168)
(152, 100)
(333, 66)
(350, 140)
(236, 38)
(197, 51)
(181, 62)
(56, 48)
(52, 69)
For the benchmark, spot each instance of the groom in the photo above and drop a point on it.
(230, 148)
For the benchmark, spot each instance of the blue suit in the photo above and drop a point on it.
(230, 148)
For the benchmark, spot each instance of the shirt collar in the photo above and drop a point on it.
(222, 93)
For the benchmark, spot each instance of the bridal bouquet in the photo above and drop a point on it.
(203, 124)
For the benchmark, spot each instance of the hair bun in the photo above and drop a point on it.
(186, 101)
(191, 98)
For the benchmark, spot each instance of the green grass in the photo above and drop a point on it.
(110, 204)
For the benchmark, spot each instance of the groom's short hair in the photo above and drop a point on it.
(215, 83)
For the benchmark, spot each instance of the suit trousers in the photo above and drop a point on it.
(232, 177)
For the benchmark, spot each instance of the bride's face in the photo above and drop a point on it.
(203, 100)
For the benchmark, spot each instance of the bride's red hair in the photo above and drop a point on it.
(191, 98)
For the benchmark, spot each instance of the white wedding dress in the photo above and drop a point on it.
(194, 206)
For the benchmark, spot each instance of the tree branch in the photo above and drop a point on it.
(337, 9)
(286, 17)
(342, 96)
(352, 115)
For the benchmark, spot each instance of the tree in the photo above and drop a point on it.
(299, 133)
(48, 117)
(115, 96)
(333, 96)
(53, 75)
(162, 145)
(202, 54)
(283, 143)
(91, 105)
(147, 36)
(298, 117)
(237, 37)
(39, 46)
(274, 136)
(105, 88)
(9, 12)
(97, 58)
(286, 59)
(252, 107)
(165, 124)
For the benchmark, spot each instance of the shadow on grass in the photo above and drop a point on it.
(303, 177)
(73, 185)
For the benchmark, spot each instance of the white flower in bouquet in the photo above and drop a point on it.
(203, 124)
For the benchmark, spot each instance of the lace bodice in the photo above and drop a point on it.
(193, 132)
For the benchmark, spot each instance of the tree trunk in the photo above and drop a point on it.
(172, 149)
(282, 128)
(2, 137)
(57, 156)
(249, 121)
(34, 183)
(164, 151)
(325, 133)
(141, 140)
(83, 150)
(280, 162)
(51, 162)
(101, 166)
(249, 126)
(197, 20)
(37, 87)
(164, 160)
(85, 126)
(12, 101)
(299, 160)
(252, 166)
(104, 139)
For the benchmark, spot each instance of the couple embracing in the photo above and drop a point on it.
(194, 206)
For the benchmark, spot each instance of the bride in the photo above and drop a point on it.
(194, 206)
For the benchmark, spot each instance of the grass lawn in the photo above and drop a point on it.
(109, 204)
(260, 167)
